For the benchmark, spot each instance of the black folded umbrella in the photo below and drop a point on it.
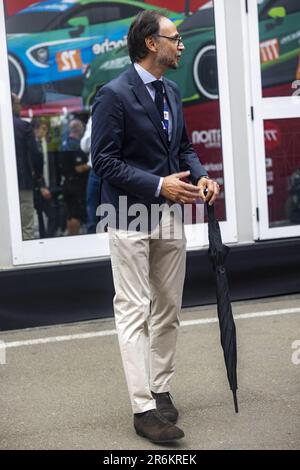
(218, 253)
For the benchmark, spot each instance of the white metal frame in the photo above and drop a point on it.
(196, 235)
(264, 109)
(248, 102)
(82, 247)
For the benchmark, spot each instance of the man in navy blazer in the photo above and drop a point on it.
(141, 151)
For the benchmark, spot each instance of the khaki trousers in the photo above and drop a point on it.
(148, 273)
(27, 213)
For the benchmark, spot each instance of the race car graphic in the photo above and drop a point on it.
(197, 72)
(279, 32)
(197, 75)
(51, 43)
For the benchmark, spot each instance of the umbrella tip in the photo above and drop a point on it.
(235, 402)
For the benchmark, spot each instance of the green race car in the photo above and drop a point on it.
(197, 71)
(279, 33)
(50, 43)
(197, 74)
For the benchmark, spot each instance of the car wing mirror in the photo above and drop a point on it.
(278, 14)
(79, 23)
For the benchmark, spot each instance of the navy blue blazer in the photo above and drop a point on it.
(129, 147)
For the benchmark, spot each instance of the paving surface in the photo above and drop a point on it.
(72, 394)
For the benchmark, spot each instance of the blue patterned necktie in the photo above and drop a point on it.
(161, 104)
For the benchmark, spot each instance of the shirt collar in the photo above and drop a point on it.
(146, 76)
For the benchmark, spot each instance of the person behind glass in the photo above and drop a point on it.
(43, 197)
(75, 170)
(93, 184)
(140, 149)
(29, 167)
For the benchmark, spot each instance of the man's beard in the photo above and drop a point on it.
(168, 63)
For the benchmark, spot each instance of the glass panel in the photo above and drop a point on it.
(282, 147)
(279, 36)
(59, 54)
(203, 123)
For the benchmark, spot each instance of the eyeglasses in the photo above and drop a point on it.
(171, 38)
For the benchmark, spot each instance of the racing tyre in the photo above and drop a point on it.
(17, 77)
(205, 72)
(28, 95)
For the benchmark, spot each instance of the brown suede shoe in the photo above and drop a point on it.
(166, 406)
(155, 427)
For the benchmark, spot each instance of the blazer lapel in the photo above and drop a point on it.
(146, 101)
(172, 103)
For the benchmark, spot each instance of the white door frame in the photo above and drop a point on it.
(265, 109)
(64, 249)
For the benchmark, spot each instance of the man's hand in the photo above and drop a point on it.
(178, 191)
(212, 188)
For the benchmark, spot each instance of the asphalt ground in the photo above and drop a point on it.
(62, 387)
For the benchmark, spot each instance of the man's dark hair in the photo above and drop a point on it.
(145, 24)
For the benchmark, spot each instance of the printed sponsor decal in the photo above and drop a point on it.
(269, 50)
(69, 60)
(269, 162)
(272, 134)
(210, 138)
(116, 64)
(290, 38)
(213, 167)
(270, 176)
(107, 45)
(51, 7)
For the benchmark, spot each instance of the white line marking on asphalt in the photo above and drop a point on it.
(95, 334)
(243, 316)
(57, 339)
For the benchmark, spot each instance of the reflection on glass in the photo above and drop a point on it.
(282, 147)
(279, 36)
(203, 123)
(60, 53)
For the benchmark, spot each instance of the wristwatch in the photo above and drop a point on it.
(204, 176)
